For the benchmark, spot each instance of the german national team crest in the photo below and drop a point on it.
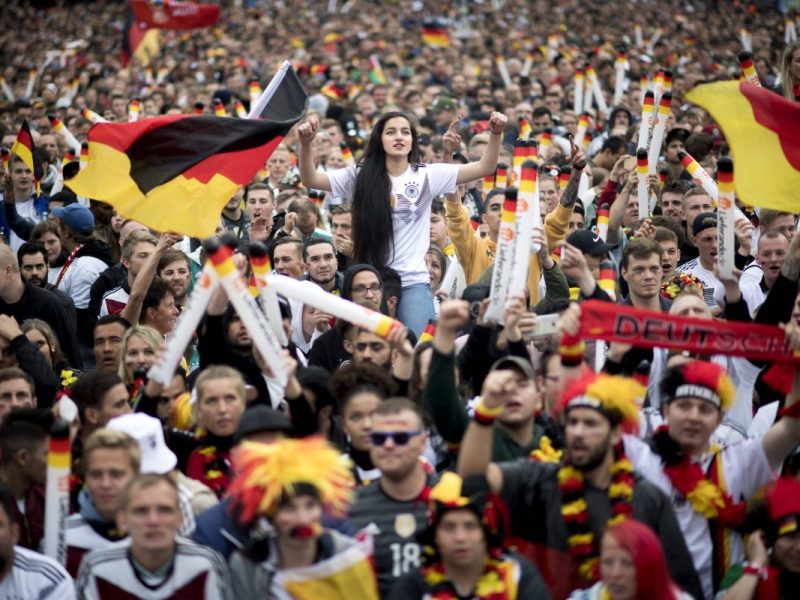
(405, 525)
(411, 191)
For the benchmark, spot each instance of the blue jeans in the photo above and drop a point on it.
(416, 307)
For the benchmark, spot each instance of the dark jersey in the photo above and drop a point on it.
(394, 526)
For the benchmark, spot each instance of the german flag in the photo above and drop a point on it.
(24, 148)
(139, 41)
(435, 32)
(176, 172)
(333, 90)
(175, 15)
(763, 130)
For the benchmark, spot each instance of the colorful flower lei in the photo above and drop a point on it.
(496, 582)
(581, 541)
(689, 479)
(679, 282)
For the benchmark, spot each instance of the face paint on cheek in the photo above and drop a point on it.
(306, 532)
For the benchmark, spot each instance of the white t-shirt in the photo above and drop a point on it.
(710, 282)
(744, 375)
(745, 468)
(34, 575)
(750, 285)
(26, 210)
(78, 280)
(412, 194)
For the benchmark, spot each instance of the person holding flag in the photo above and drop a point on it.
(21, 188)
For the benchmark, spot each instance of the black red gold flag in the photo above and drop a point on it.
(176, 172)
(24, 148)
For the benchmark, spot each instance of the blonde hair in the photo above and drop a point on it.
(111, 439)
(150, 336)
(220, 372)
(787, 83)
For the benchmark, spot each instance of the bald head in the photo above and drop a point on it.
(8, 258)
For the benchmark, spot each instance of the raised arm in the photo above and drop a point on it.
(311, 178)
(618, 209)
(488, 162)
(132, 310)
(474, 457)
(578, 162)
(784, 435)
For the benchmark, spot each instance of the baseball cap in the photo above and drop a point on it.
(149, 433)
(588, 242)
(260, 418)
(515, 362)
(443, 103)
(703, 221)
(77, 217)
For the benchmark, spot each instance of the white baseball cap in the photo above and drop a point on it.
(149, 433)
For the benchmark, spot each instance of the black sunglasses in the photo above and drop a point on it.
(399, 438)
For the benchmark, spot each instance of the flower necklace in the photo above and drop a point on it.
(581, 540)
(497, 582)
(705, 496)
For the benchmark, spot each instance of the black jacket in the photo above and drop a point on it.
(38, 303)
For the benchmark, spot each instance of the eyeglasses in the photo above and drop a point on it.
(363, 289)
(399, 438)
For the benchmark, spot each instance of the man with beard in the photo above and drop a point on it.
(565, 507)
(173, 267)
(320, 258)
(32, 258)
(393, 506)
(25, 573)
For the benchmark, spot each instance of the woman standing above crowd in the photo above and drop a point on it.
(391, 193)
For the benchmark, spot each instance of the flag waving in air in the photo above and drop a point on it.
(763, 131)
(172, 14)
(24, 148)
(176, 172)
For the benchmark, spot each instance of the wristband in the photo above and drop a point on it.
(485, 415)
(753, 569)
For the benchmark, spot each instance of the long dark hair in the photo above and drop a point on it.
(373, 232)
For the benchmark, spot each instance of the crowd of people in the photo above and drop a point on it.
(474, 448)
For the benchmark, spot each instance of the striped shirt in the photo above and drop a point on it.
(36, 576)
(710, 281)
(197, 572)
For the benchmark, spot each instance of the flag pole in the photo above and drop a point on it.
(259, 105)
